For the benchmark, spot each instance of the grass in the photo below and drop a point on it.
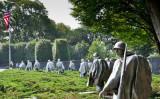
(18, 84)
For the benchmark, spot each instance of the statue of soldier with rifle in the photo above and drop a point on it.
(130, 77)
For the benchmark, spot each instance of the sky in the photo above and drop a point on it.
(59, 11)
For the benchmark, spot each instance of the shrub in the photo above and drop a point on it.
(81, 49)
(43, 50)
(30, 53)
(4, 53)
(19, 52)
(96, 46)
(61, 50)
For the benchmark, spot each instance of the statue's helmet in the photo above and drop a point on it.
(95, 54)
(119, 45)
(82, 60)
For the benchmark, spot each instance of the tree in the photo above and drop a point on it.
(2, 25)
(63, 30)
(127, 20)
(78, 35)
(29, 21)
(154, 8)
(96, 46)
(81, 49)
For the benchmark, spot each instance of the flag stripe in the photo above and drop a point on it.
(6, 18)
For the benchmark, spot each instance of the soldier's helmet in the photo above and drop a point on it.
(95, 54)
(82, 60)
(119, 45)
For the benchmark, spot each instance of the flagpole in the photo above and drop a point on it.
(9, 47)
(9, 40)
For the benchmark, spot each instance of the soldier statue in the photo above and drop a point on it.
(36, 65)
(130, 77)
(83, 68)
(99, 73)
(29, 66)
(59, 67)
(71, 66)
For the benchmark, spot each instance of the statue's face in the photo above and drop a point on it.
(119, 52)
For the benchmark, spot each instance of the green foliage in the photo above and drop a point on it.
(23, 84)
(81, 49)
(61, 50)
(79, 35)
(4, 53)
(29, 21)
(144, 50)
(43, 50)
(19, 52)
(155, 86)
(29, 50)
(73, 54)
(154, 54)
(128, 21)
(19, 84)
(96, 47)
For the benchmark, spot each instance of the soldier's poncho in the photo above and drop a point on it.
(83, 68)
(36, 66)
(71, 66)
(29, 66)
(99, 73)
(89, 66)
(50, 66)
(60, 67)
(110, 65)
(22, 66)
(136, 81)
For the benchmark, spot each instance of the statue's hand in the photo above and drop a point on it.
(102, 93)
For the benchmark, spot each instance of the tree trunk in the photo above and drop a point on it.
(154, 9)
(157, 43)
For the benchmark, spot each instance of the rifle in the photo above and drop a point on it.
(122, 73)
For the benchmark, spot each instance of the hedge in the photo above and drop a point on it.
(30, 53)
(19, 52)
(43, 50)
(4, 51)
(60, 50)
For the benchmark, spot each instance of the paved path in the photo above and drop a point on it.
(2, 70)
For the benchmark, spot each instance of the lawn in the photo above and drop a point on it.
(15, 84)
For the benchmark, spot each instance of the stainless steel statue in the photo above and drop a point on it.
(36, 65)
(83, 68)
(71, 66)
(22, 66)
(29, 66)
(99, 73)
(50, 66)
(131, 76)
(89, 65)
(59, 67)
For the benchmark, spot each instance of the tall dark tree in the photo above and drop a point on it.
(127, 20)
(29, 21)
(154, 9)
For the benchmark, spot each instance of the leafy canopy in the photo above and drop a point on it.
(127, 20)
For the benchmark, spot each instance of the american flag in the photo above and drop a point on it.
(6, 17)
